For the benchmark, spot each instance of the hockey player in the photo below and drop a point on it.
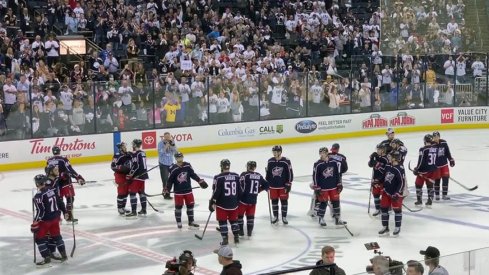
(136, 177)
(121, 165)
(225, 200)
(46, 220)
(66, 172)
(443, 157)
(425, 171)
(394, 181)
(398, 146)
(390, 137)
(251, 184)
(279, 176)
(180, 175)
(340, 159)
(327, 185)
(378, 161)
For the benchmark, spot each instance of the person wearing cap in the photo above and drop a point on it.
(166, 151)
(432, 260)
(225, 258)
(180, 175)
(414, 268)
(327, 258)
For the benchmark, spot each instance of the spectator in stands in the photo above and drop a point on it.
(19, 120)
(3, 123)
(111, 63)
(477, 67)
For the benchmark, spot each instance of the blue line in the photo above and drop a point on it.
(417, 214)
(309, 244)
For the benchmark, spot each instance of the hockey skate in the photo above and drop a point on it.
(57, 257)
(445, 198)
(241, 233)
(428, 203)
(322, 222)
(142, 212)
(44, 263)
(284, 220)
(437, 197)
(396, 232)
(338, 222)
(131, 215)
(384, 232)
(123, 211)
(236, 239)
(179, 225)
(418, 202)
(224, 241)
(275, 220)
(193, 225)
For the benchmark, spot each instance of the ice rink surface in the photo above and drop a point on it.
(110, 244)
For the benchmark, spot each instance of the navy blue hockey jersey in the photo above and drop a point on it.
(251, 184)
(180, 176)
(279, 172)
(378, 164)
(226, 190)
(427, 159)
(340, 160)
(121, 163)
(325, 175)
(47, 205)
(63, 164)
(394, 180)
(444, 154)
(138, 165)
(403, 152)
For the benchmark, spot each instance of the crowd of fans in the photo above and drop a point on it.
(180, 63)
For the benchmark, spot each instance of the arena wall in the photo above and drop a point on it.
(25, 154)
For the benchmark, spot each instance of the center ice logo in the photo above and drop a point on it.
(277, 171)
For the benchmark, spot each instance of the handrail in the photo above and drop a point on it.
(93, 44)
(70, 50)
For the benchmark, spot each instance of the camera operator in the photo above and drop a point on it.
(327, 258)
(183, 266)
(414, 268)
(380, 265)
(166, 151)
(432, 260)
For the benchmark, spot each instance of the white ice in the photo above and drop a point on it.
(109, 244)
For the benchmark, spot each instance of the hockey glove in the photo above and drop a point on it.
(212, 206)
(415, 171)
(374, 155)
(339, 188)
(452, 162)
(66, 216)
(35, 227)
(288, 186)
(165, 192)
(80, 180)
(203, 184)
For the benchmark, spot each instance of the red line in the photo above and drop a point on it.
(132, 249)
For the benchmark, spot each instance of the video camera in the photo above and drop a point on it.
(395, 267)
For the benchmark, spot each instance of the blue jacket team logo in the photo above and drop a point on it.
(328, 172)
(182, 177)
(306, 126)
(277, 171)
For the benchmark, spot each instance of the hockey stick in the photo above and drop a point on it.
(347, 229)
(269, 207)
(205, 228)
(156, 210)
(369, 200)
(463, 186)
(73, 228)
(421, 175)
(412, 210)
(33, 217)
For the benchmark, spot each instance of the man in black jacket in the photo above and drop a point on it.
(327, 258)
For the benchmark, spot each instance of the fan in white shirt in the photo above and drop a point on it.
(478, 67)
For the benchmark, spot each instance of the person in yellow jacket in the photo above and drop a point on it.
(171, 107)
